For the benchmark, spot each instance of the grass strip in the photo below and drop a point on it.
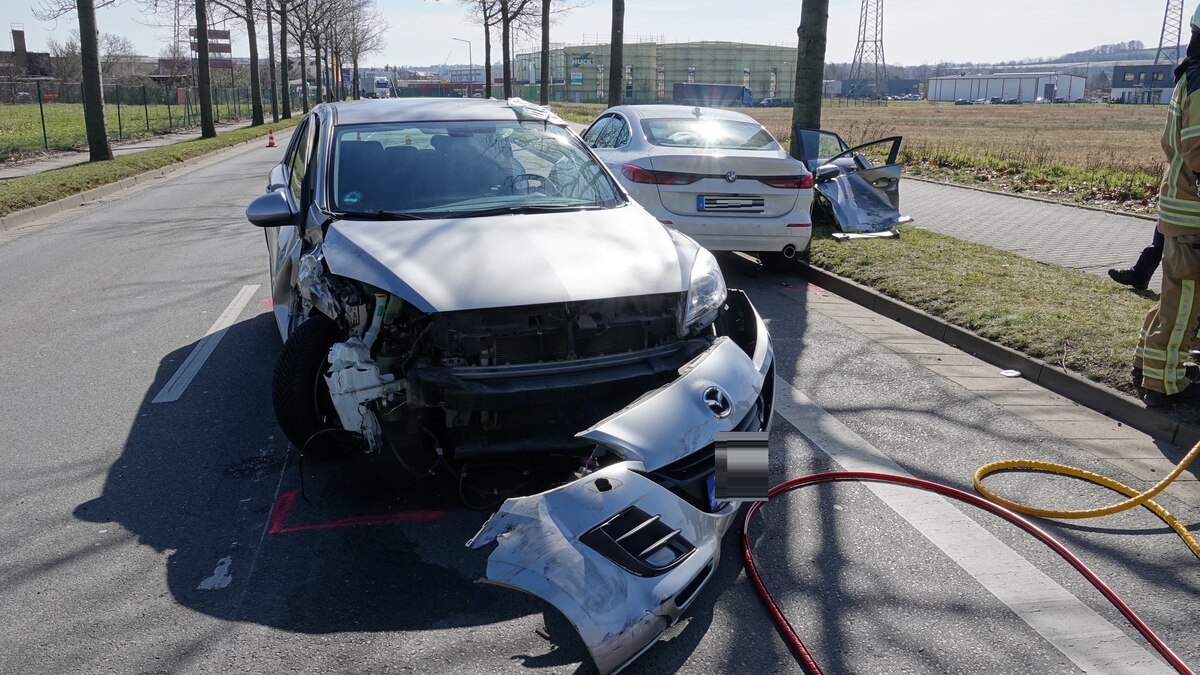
(49, 186)
(1071, 319)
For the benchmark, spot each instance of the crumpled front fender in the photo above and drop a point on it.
(541, 550)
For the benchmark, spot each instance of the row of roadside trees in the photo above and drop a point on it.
(515, 15)
(333, 32)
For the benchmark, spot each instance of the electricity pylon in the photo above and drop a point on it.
(870, 67)
(1172, 31)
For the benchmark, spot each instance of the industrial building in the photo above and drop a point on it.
(579, 73)
(1027, 87)
(1146, 83)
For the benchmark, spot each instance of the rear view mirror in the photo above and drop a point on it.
(271, 210)
(826, 173)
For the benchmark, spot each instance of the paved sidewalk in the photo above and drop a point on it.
(1083, 239)
(58, 160)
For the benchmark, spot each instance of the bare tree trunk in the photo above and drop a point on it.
(319, 75)
(357, 86)
(285, 91)
(256, 104)
(810, 67)
(616, 50)
(93, 87)
(303, 74)
(487, 53)
(203, 80)
(544, 98)
(271, 65)
(505, 42)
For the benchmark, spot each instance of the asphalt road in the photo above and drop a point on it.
(171, 537)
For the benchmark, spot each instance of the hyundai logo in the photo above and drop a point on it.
(730, 176)
(718, 402)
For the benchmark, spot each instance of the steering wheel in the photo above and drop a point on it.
(544, 185)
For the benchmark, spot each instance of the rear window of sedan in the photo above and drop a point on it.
(707, 133)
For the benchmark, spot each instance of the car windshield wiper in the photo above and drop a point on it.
(382, 215)
(524, 208)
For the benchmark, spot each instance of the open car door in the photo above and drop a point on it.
(860, 186)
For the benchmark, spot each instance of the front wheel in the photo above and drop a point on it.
(300, 395)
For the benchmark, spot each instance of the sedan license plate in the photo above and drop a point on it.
(735, 203)
(711, 483)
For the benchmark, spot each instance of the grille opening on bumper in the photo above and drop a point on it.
(685, 594)
(688, 478)
(639, 543)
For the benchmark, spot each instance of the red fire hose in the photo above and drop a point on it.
(797, 645)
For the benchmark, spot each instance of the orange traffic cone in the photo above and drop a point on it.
(270, 138)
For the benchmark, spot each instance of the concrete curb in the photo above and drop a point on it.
(26, 216)
(1118, 406)
(1033, 198)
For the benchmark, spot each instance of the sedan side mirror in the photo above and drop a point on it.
(271, 210)
(826, 173)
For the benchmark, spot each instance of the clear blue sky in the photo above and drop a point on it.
(916, 31)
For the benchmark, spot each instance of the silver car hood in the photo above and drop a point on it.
(505, 261)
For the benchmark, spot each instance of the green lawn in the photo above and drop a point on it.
(49, 186)
(21, 124)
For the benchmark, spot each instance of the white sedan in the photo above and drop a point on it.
(716, 175)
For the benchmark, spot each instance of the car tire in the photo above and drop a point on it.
(299, 393)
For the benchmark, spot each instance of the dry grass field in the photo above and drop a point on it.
(1087, 136)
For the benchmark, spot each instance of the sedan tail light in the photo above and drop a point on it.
(804, 182)
(639, 175)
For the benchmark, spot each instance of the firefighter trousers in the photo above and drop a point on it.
(1169, 331)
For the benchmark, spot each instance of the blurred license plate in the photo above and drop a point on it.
(711, 483)
(751, 204)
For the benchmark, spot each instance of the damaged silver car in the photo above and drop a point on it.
(858, 189)
(458, 281)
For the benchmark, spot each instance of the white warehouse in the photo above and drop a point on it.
(1027, 87)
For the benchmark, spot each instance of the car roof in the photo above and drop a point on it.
(438, 109)
(678, 111)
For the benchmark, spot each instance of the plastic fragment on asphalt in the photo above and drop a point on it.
(1011, 373)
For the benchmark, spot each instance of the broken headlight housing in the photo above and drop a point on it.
(706, 292)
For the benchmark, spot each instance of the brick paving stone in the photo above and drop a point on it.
(1082, 239)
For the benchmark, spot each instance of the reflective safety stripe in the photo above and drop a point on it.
(1180, 205)
(1148, 353)
(1179, 219)
(1190, 132)
(1187, 296)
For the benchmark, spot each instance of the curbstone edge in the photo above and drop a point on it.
(1104, 400)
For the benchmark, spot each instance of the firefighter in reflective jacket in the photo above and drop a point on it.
(1170, 328)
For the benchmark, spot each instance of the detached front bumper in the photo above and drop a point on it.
(623, 551)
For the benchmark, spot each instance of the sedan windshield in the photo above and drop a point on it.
(708, 133)
(463, 169)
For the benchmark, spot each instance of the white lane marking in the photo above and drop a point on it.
(1082, 635)
(204, 348)
(220, 577)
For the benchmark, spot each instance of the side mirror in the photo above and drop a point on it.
(271, 210)
(826, 173)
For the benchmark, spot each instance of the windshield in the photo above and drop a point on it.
(707, 133)
(463, 169)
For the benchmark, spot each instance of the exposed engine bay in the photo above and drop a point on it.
(498, 381)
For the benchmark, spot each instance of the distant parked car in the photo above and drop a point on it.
(770, 102)
(982, 101)
(962, 101)
(1041, 99)
(717, 176)
(1014, 101)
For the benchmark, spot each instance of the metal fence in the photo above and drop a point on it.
(39, 116)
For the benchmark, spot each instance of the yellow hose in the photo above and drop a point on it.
(1136, 498)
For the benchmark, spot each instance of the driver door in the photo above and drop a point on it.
(876, 164)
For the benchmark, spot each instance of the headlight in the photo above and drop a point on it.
(706, 292)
